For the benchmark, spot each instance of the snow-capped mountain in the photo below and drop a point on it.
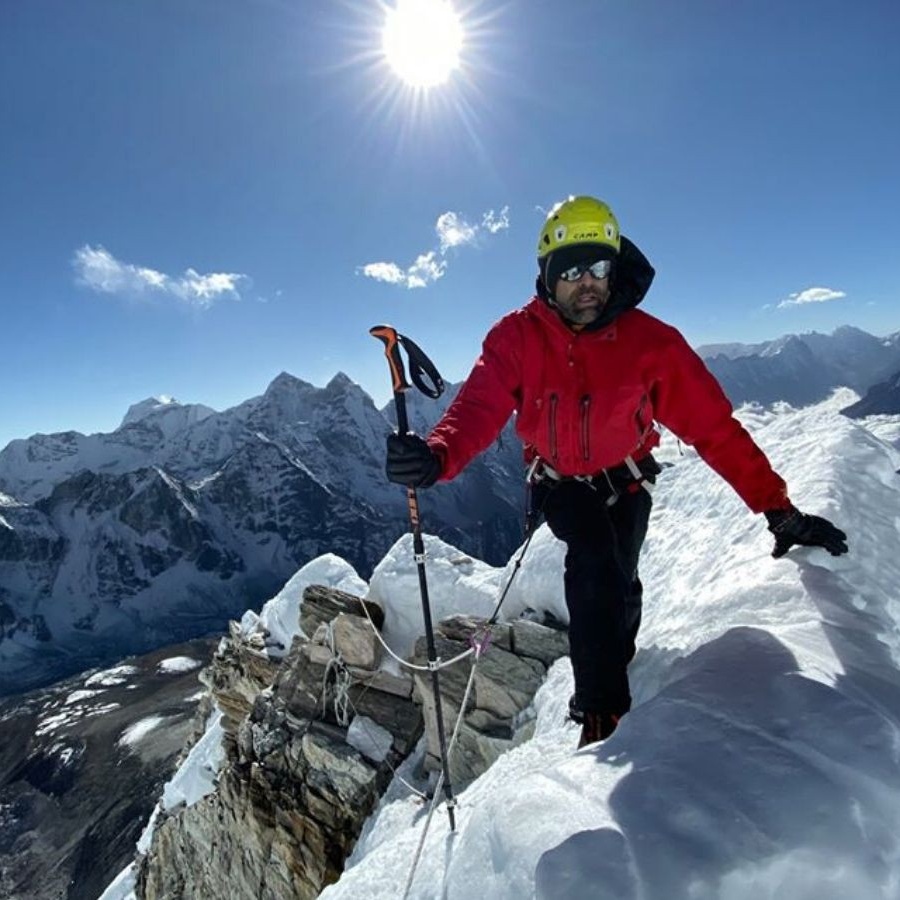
(804, 368)
(183, 517)
(169, 414)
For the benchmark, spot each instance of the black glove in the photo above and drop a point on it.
(411, 461)
(790, 526)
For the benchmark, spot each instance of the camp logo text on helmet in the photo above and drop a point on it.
(579, 220)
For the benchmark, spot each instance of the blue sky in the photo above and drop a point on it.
(190, 191)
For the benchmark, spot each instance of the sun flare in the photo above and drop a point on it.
(422, 40)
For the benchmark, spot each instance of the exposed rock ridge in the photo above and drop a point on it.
(312, 742)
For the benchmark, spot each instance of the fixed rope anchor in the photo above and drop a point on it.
(480, 641)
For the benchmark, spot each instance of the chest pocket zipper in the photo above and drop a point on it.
(643, 421)
(551, 424)
(586, 426)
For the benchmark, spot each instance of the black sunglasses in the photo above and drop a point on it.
(598, 270)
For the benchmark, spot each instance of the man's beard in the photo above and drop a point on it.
(573, 311)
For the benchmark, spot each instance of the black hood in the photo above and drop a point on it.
(632, 278)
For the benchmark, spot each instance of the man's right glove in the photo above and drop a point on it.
(790, 527)
(411, 461)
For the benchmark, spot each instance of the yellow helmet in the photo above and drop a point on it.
(578, 220)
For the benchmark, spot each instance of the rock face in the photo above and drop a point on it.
(293, 793)
(184, 517)
(312, 745)
(881, 399)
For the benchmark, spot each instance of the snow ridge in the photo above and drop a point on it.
(760, 759)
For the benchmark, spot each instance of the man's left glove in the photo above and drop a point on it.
(411, 461)
(790, 527)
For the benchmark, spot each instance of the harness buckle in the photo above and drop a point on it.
(539, 470)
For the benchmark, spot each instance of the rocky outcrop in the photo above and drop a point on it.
(239, 670)
(313, 743)
(506, 678)
(293, 793)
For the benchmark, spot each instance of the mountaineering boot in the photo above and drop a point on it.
(597, 727)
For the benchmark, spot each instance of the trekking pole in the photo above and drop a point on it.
(419, 365)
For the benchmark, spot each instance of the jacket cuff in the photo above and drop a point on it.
(779, 519)
(440, 452)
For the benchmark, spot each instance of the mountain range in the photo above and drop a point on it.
(183, 517)
(803, 368)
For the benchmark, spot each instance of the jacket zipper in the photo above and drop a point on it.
(585, 426)
(554, 399)
(642, 427)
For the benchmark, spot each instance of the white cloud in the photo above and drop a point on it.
(98, 269)
(496, 222)
(384, 271)
(426, 269)
(452, 230)
(812, 295)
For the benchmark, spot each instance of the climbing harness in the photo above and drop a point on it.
(605, 481)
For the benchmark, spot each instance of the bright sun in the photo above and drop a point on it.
(422, 40)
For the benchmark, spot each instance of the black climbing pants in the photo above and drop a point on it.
(603, 591)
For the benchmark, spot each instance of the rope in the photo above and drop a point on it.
(342, 701)
(418, 854)
(480, 641)
(477, 649)
(494, 615)
(443, 664)
(439, 664)
(342, 681)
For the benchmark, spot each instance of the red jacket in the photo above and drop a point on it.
(586, 400)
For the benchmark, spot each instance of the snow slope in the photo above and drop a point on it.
(762, 756)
